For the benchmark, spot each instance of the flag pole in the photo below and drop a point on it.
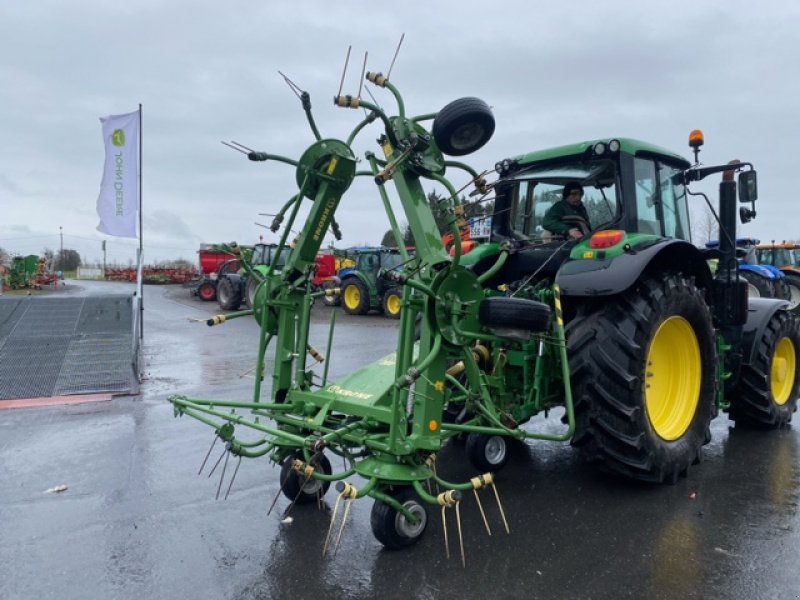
(141, 255)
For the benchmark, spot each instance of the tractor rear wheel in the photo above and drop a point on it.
(644, 379)
(229, 297)
(392, 302)
(391, 527)
(793, 282)
(299, 489)
(355, 297)
(758, 286)
(766, 394)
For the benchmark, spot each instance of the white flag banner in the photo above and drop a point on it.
(118, 201)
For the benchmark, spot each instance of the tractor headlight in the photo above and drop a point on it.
(599, 148)
(613, 146)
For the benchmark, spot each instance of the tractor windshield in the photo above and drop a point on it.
(539, 188)
(660, 199)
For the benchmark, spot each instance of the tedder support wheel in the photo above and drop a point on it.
(296, 486)
(758, 286)
(766, 394)
(207, 291)
(355, 297)
(793, 281)
(392, 302)
(643, 369)
(487, 453)
(228, 297)
(504, 313)
(391, 528)
(463, 126)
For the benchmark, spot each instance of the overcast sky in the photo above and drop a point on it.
(553, 73)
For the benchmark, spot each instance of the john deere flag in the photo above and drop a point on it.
(119, 190)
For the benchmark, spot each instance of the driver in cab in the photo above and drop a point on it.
(570, 205)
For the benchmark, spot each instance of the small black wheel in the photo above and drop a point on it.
(355, 297)
(391, 528)
(392, 302)
(503, 312)
(758, 286)
(487, 453)
(463, 126)
(295, 485)
(229, 295)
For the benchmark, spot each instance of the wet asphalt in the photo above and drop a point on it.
(136, 520)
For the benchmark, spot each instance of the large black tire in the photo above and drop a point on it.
(502, 312)
(644, 379)
(766, 394)
(392, 302)
(250, 291)
(487, 453)
(758, 286)
(391, 528)
(229, 295)
(793, 282)
(355, 297)
(295, 485)
(463, 126)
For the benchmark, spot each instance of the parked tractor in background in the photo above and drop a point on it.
(212, 257)
(655, 343)
(234, 286)
(364, 288)
(786, 257)
(763, 281)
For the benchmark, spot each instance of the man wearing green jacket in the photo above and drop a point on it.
(571, 204)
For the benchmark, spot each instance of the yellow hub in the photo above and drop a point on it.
(393, 304)
(784, 370)
(673, 376)
(352, 297)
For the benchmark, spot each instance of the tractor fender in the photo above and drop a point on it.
(356, 275)
(759, 312)
(598, 276)
(767, 271)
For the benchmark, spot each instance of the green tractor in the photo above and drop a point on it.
(624, 334)
(364, 287)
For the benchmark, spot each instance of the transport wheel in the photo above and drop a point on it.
(643, 371)
(295, 485)
(330, 300)
(502, 312)
(228, 296)
(355, 298)
(766, 394)
(793, 281)
(391, 528)
(207, 291)
(487, 453)
(758, 286)
(463, 126)
(392, 302)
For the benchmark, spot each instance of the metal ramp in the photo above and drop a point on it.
(67, 346)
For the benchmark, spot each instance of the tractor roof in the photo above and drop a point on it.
(627, 145)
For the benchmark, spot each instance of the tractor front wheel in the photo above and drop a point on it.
(207, 291)
(392, 303)
(644, 379)
(355, 297)
(766, 394)
(391, 527)
(297, 487)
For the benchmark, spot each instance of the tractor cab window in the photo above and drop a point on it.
(540, 188)
(391, 261)
(661, 207)
(368, 263)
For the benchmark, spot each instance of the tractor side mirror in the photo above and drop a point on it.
(748, 186)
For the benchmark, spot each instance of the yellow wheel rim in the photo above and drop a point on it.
(673, 377)
(784, 370)
(352, 297)
(393, 304)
